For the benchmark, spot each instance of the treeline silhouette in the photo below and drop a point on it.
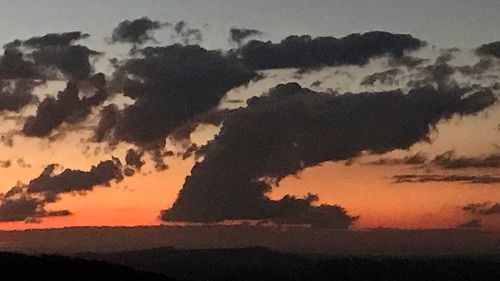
(258, 263)
(18, 267)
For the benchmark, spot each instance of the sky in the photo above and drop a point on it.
(415, 148)
(447, 23)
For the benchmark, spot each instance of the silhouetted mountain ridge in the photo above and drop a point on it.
(260, 263)
(20, 267)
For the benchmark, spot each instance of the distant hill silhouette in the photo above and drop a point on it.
(258, 263)
(18, 267)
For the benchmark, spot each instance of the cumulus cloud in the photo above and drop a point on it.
(490, 49)
(57, 52)
(137, 32)
(14, 65)
(27, 202)
(48, 40)
(16, 94)
(291, 128)
(170, 86)
(108, 119)
(185, 34)
(133, 162)
(18, 78)
(18, 209)
(26, 208)
(66, 107)
(239, 35)
(75, 180)
(307, 52)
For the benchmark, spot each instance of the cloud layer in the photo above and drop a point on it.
(291, 128)
(307, 52)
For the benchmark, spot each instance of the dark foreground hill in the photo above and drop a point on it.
(18, 267)
(258, 263)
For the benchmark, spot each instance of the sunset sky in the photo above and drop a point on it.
(400, 129)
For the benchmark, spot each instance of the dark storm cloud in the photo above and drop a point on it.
(133, 162)
(28, 202)
(138, 31)
(49, 40)
(306, 52)
(18, 78)
(239, 35)
(72, 61)
(56, 52)
(213, 117)
(425, 178)
(186, 34)
(75, 180)
(16, 94)
(170, 86)
(133, 159)
(14, 65)
(291, 128)
(67, 107)
(108, 119)
(490, 49)
(486, 208)
(388, 77)
(18, 209)
(26, 209)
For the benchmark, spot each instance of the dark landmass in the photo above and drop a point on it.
(258, 263)
(376, 242)
(242, 264)
(19, 267)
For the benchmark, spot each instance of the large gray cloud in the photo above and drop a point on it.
(57, 52)
(138, 31)
(291, 128)
(186, 34)
(66, 107)
(307, 52)
(170, 86)
(28, 202)
(18, 78)
(16, 94)
(238, 35)
(490, 49)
